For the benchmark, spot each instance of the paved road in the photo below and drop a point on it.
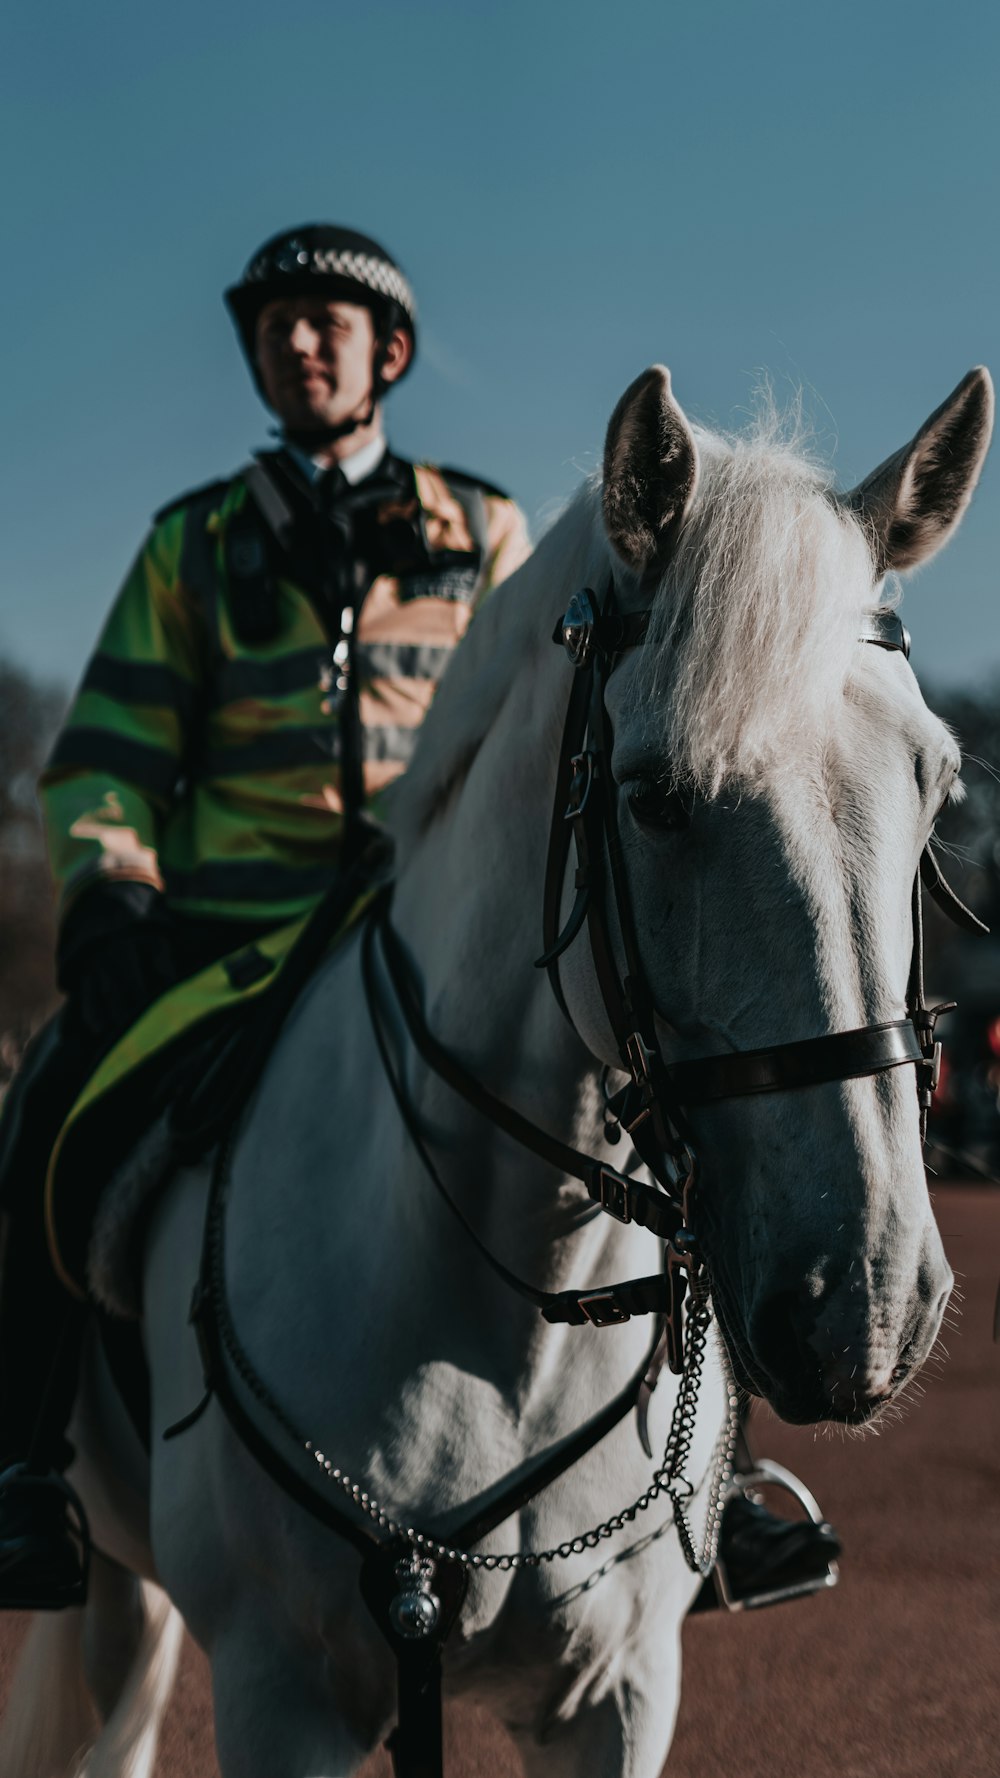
(893, 1675)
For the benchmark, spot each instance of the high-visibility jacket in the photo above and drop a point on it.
(205, 764)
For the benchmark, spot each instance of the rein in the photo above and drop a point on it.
(414, 1582)
(626, 1199)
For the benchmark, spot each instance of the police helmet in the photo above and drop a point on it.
(322, 259)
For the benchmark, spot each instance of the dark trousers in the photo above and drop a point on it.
(40, 1322)
(41, 1325)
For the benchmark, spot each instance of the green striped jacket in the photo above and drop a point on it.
(207, 766)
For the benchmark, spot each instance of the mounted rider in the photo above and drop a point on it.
(208, 786)
(203, 790)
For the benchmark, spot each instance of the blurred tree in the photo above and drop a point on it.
(30, 712)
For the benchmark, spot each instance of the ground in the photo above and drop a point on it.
(893, 1674)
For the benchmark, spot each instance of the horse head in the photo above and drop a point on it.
(777, 783)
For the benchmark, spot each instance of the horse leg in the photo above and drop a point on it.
(276, 1705)
(132, 1644)
(113, 1626)
(50, 1720)
(623, 1733)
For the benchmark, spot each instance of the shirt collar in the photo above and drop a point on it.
(354, 468)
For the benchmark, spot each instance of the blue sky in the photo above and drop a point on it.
(574, 189)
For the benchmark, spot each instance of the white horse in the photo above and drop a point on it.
(777, 783)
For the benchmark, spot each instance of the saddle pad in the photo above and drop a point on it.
(139, 1078)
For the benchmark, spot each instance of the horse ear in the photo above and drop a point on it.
(650, 472)
(912, 503)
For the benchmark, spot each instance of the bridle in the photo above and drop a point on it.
(653, 1106)
(401, 1563)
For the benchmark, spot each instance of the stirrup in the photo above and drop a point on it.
(720, 1590)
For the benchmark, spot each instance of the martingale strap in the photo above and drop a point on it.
(416, 1739)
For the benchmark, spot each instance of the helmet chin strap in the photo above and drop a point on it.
(313, 438)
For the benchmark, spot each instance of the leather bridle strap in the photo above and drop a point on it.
(585, 812)
(844, 1055)
(560, 840)
(417, 1740)
(626, 1199)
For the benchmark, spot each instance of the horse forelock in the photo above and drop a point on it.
(754, 632)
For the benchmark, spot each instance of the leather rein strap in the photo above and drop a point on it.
(416, 1740)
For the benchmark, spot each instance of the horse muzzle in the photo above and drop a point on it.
(832, 1355)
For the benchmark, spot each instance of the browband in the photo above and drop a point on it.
(584, 628)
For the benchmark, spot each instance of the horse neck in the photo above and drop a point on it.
(468, 908)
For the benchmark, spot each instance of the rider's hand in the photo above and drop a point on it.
(115, 957)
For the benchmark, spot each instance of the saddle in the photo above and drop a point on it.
(168, 1090)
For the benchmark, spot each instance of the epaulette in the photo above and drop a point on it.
(475, 481)
(203, 493)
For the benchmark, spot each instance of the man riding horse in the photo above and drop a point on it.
(259, 682)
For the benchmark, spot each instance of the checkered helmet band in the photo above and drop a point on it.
(297, 259)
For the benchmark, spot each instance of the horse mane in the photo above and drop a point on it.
(753, 637)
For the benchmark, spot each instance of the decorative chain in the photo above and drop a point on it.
(669, 1480)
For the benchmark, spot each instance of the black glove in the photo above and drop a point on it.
(115, 957)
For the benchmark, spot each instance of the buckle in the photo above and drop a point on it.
(580, 784)
(602, 1309)
(613, 1193)
(929, 1072)
(640, 1059)
(577, 628)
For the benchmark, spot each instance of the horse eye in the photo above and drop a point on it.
(659, 805)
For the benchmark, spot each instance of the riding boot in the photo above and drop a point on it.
(43, 1532)
(762, 1557)
(767, 1557)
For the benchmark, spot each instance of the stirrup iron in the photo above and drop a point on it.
(767, 1473)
